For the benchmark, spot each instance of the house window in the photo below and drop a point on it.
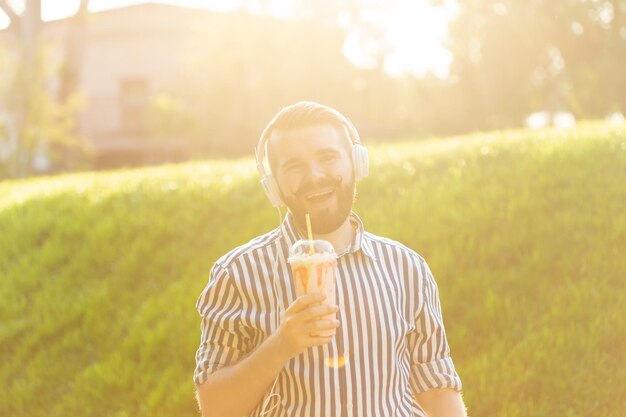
(133, 105)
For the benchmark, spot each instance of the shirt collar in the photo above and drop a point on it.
(360, 243)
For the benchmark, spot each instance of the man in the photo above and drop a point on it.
(258, 354)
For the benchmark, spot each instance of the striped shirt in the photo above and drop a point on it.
(391, 342)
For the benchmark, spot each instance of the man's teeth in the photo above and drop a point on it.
(323, 193)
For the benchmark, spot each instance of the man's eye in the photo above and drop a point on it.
(328, 158)
(291, 167)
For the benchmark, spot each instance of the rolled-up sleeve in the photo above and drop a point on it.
(431, 364)
(223, 338)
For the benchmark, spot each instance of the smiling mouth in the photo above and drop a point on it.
(320, 196)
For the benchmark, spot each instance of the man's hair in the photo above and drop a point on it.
(299, 115)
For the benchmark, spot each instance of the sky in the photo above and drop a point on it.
(414, 30)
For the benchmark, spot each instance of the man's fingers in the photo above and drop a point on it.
(303, 321)
(304, 301)
(320, 325)
(317, 311)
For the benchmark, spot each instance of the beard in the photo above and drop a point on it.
(327, 219)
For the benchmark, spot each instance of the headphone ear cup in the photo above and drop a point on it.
(360, 160)
(271, 190)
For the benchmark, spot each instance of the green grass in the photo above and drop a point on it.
(524, 231)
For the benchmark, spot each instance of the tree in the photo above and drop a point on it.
(38, 123)
(517, 56)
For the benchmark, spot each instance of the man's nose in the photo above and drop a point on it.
(315, 171)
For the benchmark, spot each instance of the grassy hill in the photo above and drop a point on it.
(524, 231)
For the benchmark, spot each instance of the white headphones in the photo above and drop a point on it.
(360, 160)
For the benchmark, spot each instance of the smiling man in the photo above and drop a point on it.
(260, 352)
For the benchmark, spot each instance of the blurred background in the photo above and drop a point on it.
(524, 229)
(102, 84)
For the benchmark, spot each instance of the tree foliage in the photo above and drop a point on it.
(39, 127)
(517, 56)
(511, 58)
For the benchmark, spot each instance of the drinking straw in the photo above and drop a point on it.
(310, 233)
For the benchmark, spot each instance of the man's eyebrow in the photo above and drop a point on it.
(328, 151)
(289, 161)
(321, 152)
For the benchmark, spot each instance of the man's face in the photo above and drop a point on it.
(313, 168)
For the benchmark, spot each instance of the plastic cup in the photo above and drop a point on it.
(313, 264)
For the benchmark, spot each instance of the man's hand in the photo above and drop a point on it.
(221, 395)
(303, 321)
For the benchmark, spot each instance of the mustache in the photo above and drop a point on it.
(310, 186)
